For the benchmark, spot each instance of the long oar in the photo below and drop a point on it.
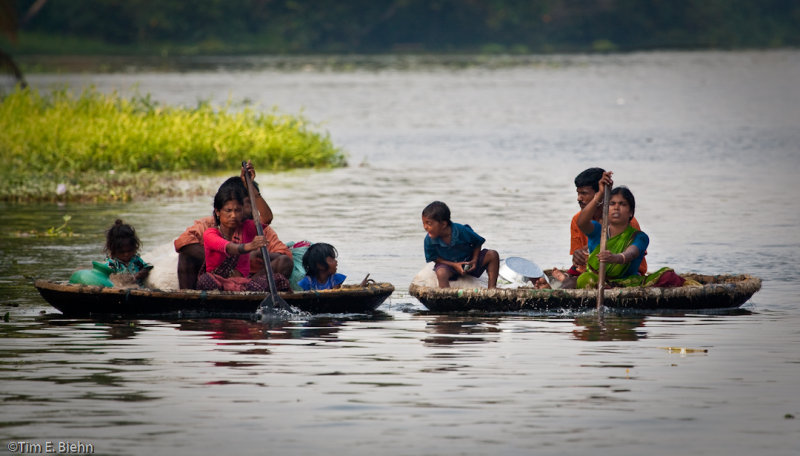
(601, 275)
(272, 296)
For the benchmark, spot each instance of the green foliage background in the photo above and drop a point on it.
(376, 26)
(76, 140)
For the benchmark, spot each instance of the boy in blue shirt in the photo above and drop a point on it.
(455, 248)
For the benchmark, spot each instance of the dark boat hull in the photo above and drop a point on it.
(89, 300)
(715, 292)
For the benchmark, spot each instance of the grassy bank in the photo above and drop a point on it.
(94, 146)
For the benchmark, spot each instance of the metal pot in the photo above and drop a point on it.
(519, 270)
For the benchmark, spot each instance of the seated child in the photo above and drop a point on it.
(122, 249)
(320, 264)
(455, 248)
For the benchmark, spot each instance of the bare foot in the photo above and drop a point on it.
(123, 280)
(559, 275)
(541, 283)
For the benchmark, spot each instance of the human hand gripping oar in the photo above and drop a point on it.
(272, 295)
(601, 274)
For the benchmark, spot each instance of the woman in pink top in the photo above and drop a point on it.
(227, 246)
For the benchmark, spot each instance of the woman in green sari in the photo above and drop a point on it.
(625, 246)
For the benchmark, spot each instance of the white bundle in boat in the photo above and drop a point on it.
(164, 275)
(427, 278)
(514, 273)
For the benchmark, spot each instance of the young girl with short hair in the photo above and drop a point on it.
(122, 249)
(320, 265)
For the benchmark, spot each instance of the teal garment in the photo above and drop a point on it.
(118, 267)
(463, 242)
(297, 257)
(134, 266)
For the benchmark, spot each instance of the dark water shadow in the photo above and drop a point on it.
(218, 328)
(114, 328)
(628, 324)
(608, 325)
(602, 327)
(462, 329)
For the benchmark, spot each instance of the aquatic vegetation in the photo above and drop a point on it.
(63, 230)
(62, 146)
(99, 186)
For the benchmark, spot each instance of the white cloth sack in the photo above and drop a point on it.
(427, 278)
(164, 275)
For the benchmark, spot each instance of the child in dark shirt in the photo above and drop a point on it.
(455, 248)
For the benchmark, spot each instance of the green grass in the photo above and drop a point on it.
(103, 146)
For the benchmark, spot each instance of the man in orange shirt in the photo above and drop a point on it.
(586, 185)
(191, 255)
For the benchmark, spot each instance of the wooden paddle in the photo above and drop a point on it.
(601, 275)
(273, 296)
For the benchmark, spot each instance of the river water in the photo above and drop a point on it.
(708, 142)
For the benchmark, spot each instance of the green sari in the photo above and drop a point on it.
(615, 272)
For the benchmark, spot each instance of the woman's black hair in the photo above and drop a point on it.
(317, 255)
(236, 181)
(224, 194)
(119, 237)
(589, 178)
(437, 211)
(626, 193)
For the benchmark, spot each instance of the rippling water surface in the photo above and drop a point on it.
(708, 143)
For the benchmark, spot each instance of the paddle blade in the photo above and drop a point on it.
(274, 300)
(273, 307)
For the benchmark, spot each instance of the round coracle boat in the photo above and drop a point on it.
(699, 292)
(93, 300)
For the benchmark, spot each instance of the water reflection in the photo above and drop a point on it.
(454, 329)
(114, 329)
(225, 328)
(630, 326)
(602, 327)
(320, 327)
